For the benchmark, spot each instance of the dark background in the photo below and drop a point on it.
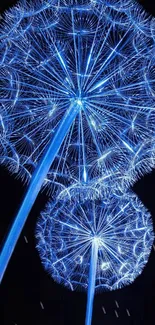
(28, 296)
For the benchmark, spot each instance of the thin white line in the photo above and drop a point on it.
(41, 304)
(127, 310)
(26, 240)
(116, 302)
(104, 310)
(116, 313)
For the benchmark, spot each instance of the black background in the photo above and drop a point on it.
(29, 296)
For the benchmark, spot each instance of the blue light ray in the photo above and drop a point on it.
(92, 280)
(35, 186)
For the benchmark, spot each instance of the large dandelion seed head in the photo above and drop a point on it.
(121, 228)
(99, 54)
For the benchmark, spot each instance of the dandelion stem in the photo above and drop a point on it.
(35, 185)
(91, 283)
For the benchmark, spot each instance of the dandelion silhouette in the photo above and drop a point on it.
(95, 245)
(77, 99)
(122, 229)
(86, 61)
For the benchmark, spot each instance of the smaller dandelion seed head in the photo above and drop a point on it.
(120, 228)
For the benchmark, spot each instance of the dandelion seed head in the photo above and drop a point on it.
(121, 229)
(97, 54)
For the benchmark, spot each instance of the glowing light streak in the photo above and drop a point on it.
(127, 146)
(34, 188)
(91, 283)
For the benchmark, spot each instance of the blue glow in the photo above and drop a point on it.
(94, 245)
(92, 279)
(95, 52)
(77, 119)
(35, 186)
(119, 232)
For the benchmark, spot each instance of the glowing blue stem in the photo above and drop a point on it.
(35, 185)
(91, 284)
